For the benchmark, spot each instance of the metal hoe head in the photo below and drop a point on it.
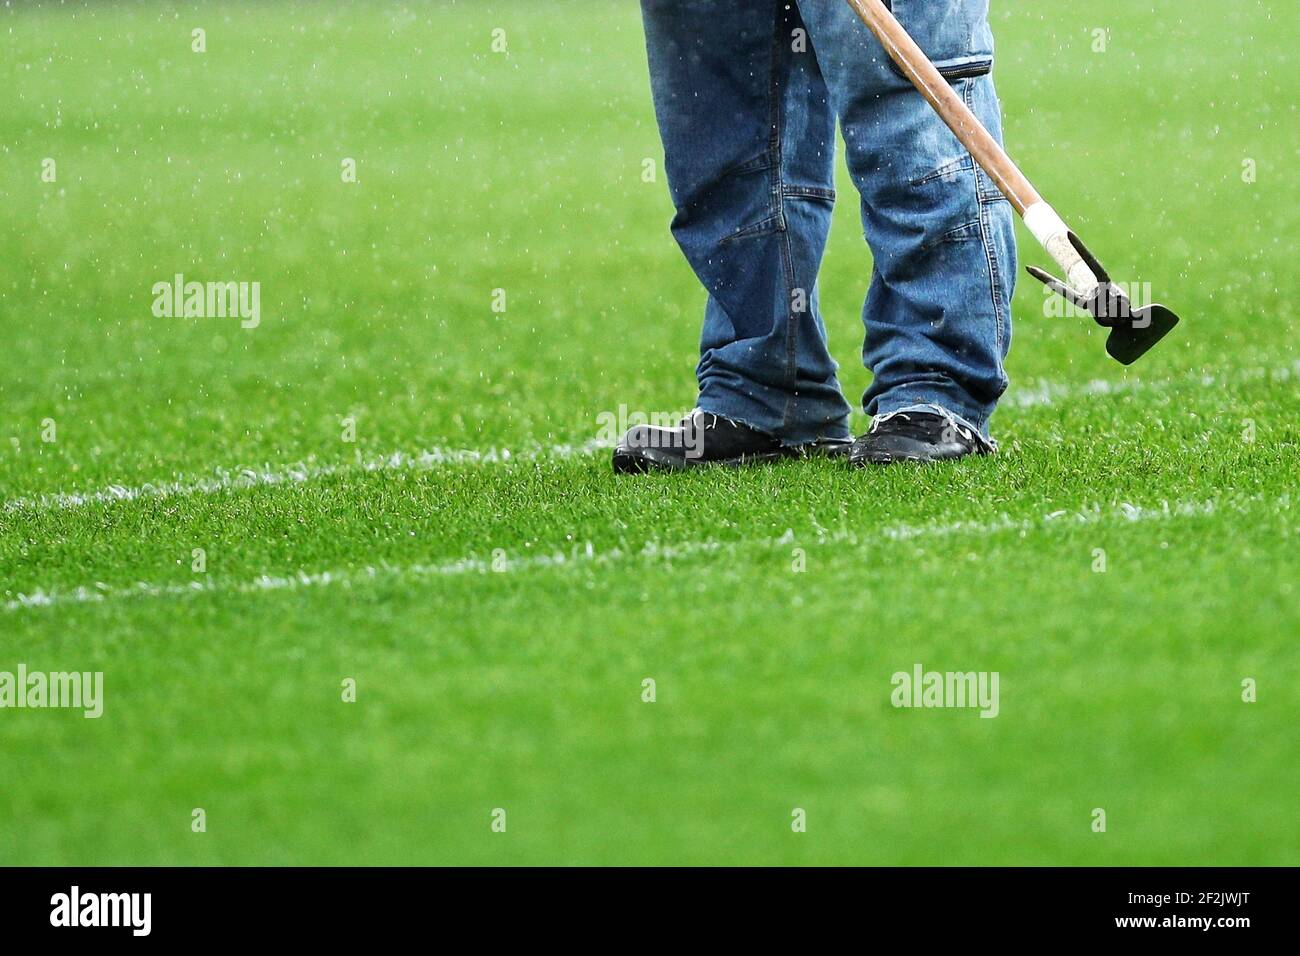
(1132, 331)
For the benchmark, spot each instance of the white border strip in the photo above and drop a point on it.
(294, 474)
(1093, 515)
(1042, 393)
(1029, 396)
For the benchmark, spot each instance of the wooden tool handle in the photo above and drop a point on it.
(985, 150)
(1039, 216)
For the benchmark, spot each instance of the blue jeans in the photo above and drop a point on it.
(747, 94)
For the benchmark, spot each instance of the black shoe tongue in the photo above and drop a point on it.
(924, 425)
(724, 439)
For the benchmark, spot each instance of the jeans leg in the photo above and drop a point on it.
(938, 312)
(749, 140)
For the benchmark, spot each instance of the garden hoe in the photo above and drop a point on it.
(1086, 284)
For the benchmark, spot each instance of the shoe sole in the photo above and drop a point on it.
(643, 460)
(866, 460)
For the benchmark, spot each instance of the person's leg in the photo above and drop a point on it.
(749, 140)
(938, 312)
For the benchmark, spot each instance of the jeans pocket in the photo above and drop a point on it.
(765, 227)
(966, 232)
(954, 34)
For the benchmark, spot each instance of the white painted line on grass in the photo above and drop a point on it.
(294, 474)
(1092, 515)
(1052, 393)
(349, 577)
(1031, 396)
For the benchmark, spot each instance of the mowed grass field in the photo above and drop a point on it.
(499, 612)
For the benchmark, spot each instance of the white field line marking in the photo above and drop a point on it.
(1091, 515)
(294, 474)
(1037, 395)
(1051, 393)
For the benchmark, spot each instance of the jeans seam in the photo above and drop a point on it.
(774, 121)
(947, 170)
(778, 194)
(990, 253)
(795, 191)
(755, 164)
(764, 227)
(956, 234)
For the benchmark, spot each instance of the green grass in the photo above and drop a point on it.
(521, 688)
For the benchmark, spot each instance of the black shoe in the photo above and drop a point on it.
(702, 438)
(917, 436)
